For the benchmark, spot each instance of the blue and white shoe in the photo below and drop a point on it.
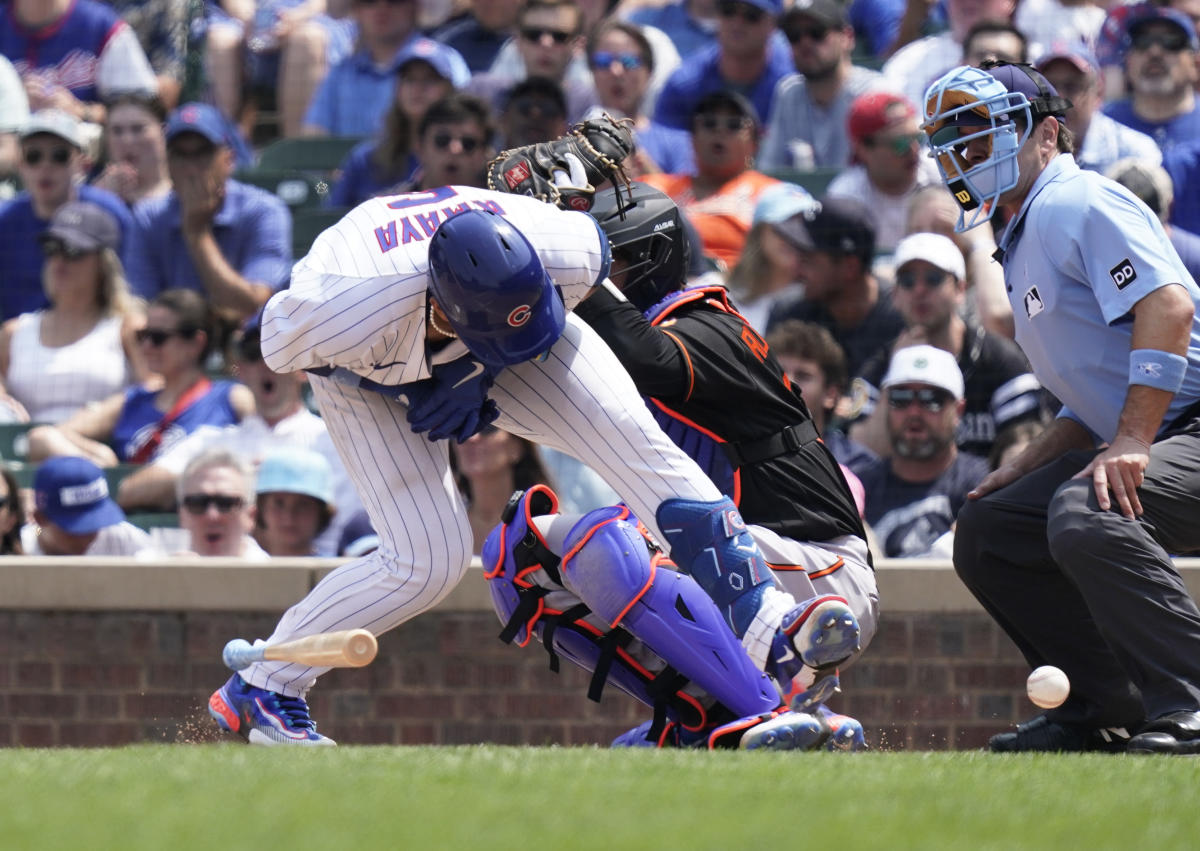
(787, 731)
(846, 733)
(263, 717)
(818, 633)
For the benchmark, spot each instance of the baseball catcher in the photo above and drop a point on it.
(566, 171)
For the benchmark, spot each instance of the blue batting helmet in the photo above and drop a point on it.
(492, 286)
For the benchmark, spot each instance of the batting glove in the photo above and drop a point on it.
(454, 402)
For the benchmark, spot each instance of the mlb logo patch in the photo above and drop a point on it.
(1033, 302)
(1123, 274)
(516, 175)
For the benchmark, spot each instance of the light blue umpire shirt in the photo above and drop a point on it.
(1080, 253)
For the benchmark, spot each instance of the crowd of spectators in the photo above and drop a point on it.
(135, 244)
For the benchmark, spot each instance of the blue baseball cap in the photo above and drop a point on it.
(73, 494)
(773, 8)
(358, 536)
(200, 118)
(780, 202)
(445, 60)
(302, 471)
(1145, 13)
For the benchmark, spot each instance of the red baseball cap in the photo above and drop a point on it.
(874, 111)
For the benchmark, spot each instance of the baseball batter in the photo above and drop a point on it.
(451, 307)
(1067, 546)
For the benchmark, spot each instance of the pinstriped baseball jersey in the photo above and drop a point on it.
(358, 301)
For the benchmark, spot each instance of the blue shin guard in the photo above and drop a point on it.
(709, 541)
(608, 566)
(531, 602)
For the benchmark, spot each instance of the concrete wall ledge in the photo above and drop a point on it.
(230, 585)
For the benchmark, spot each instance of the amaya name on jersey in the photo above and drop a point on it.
(420, 226)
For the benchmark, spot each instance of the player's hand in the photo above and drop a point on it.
(1000, 477)
(454, 402)
(1120, 468)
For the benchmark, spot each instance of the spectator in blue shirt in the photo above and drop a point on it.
(688, 23)
(1162, 71)
(745, 58)
(356, 92)
(211, 233)
(481, 32)
(1183, 164)
(51, 169)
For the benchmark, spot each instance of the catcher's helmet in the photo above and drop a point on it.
(1001, 104)
(645, 229)
(492, 286)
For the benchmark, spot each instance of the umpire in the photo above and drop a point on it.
(1067, 546)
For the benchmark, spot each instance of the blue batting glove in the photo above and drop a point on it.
(454, 402)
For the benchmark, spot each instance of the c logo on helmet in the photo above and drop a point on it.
(519, 316)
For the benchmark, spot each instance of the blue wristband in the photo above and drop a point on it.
(1158, 369)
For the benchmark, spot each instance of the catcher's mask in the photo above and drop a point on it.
(645, 230)
(999, 104)
(492, 286)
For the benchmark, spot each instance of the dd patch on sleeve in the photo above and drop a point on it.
(1123, 274)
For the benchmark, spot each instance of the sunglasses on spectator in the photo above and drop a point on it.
(900, 145)
(58, 248)
(388, 2)
(58, 156)
(932, 278)
(198, 503)
(527, 107)
(798, 34)
(1172, 41)
(537, 33)
(602, 60)
(928, 398)
(157, 336)
(712, 123)
(732, 8)
(469, 144)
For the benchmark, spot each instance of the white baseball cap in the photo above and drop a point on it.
(925, 365)
(933, 248)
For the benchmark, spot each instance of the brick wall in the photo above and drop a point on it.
(108, 678)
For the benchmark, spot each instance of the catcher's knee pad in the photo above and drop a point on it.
(609, 566)
(709, 540)
(530, 600)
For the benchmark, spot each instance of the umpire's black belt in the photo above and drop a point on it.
(782, 443)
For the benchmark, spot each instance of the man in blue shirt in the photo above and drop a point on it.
(211, 233)
(1162, 72)
(746, 58)
(356, 92)
(1067, 545)
(1183, 164)
(51, 168)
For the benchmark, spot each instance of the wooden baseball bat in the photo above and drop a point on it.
(348, 648)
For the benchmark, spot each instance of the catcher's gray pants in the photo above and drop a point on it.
(1092, 591)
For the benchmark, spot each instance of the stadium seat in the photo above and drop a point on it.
(295, 188)
(14, 442)
(308, 224)
(320, 154)
(815, 180)
(147, 520)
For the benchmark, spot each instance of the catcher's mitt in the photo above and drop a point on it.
(566, 171)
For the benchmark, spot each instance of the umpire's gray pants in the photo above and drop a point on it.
(1092, 591)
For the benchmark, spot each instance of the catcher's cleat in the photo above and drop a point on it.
(263, 717)
(845, 733)
(787, 731)
(818, 633)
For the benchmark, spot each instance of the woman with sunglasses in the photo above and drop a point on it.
(135, 425)
(81, 349)
(622, 63)
(488, 467)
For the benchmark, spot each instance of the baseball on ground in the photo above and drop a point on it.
(1048, 687)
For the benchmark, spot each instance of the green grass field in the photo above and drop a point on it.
(234, 797)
